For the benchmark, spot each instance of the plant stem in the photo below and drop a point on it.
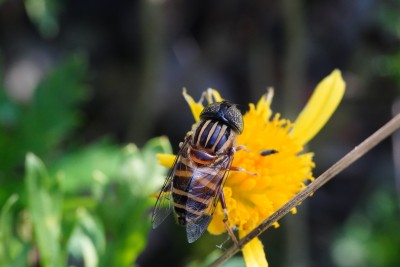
(336, 168)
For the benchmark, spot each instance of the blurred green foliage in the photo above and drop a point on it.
(236, 261)
(89, 205)
(371, 236)
(44, 204)
(388, 17)
(41, 125)
(44, 13)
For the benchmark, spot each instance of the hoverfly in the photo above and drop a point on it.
(194, 185)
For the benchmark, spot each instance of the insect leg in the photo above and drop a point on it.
(242, 147)
(240, 169)
(225, 220)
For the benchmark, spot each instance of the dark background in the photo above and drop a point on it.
(140, 54)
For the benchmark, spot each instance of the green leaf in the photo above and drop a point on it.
(140, 168)
(45, 122)
(45, 208)
(6, 231)
(124, 209)
(80, 168)
(52, 114)
(87, 241)
(43, 13)
(13, 252)
(10, 143)
(81, 247)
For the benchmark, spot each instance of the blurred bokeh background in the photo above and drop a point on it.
(88, 87)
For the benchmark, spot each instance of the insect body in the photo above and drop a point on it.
(194, 185)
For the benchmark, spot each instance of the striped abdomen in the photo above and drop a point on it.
(199, 171)
(194, 190)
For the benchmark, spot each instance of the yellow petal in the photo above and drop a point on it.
(253, 252)
(320, 107)
(195, 107)
(166, 160)
(217, 227)
(263, 106)
(212, 96)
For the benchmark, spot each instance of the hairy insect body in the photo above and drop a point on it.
(194, 185)
(210, 144)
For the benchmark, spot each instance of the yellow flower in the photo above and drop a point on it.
(250, 199)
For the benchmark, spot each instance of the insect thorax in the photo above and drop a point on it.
(213, 137)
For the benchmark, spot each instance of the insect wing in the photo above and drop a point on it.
(204, 190)
(163, 206)
(196, 229)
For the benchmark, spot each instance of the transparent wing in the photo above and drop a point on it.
(204, 189)
(163, 206)
(195, 230)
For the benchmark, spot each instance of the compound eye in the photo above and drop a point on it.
(235, 118)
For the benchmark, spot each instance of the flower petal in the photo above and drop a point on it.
(195, 107)
(212, 96)
(166, 160)
(263, 106)
(320, 107)
(253, 252)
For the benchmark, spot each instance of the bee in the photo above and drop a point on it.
(194, 184)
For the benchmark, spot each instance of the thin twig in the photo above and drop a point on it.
(339, 166)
